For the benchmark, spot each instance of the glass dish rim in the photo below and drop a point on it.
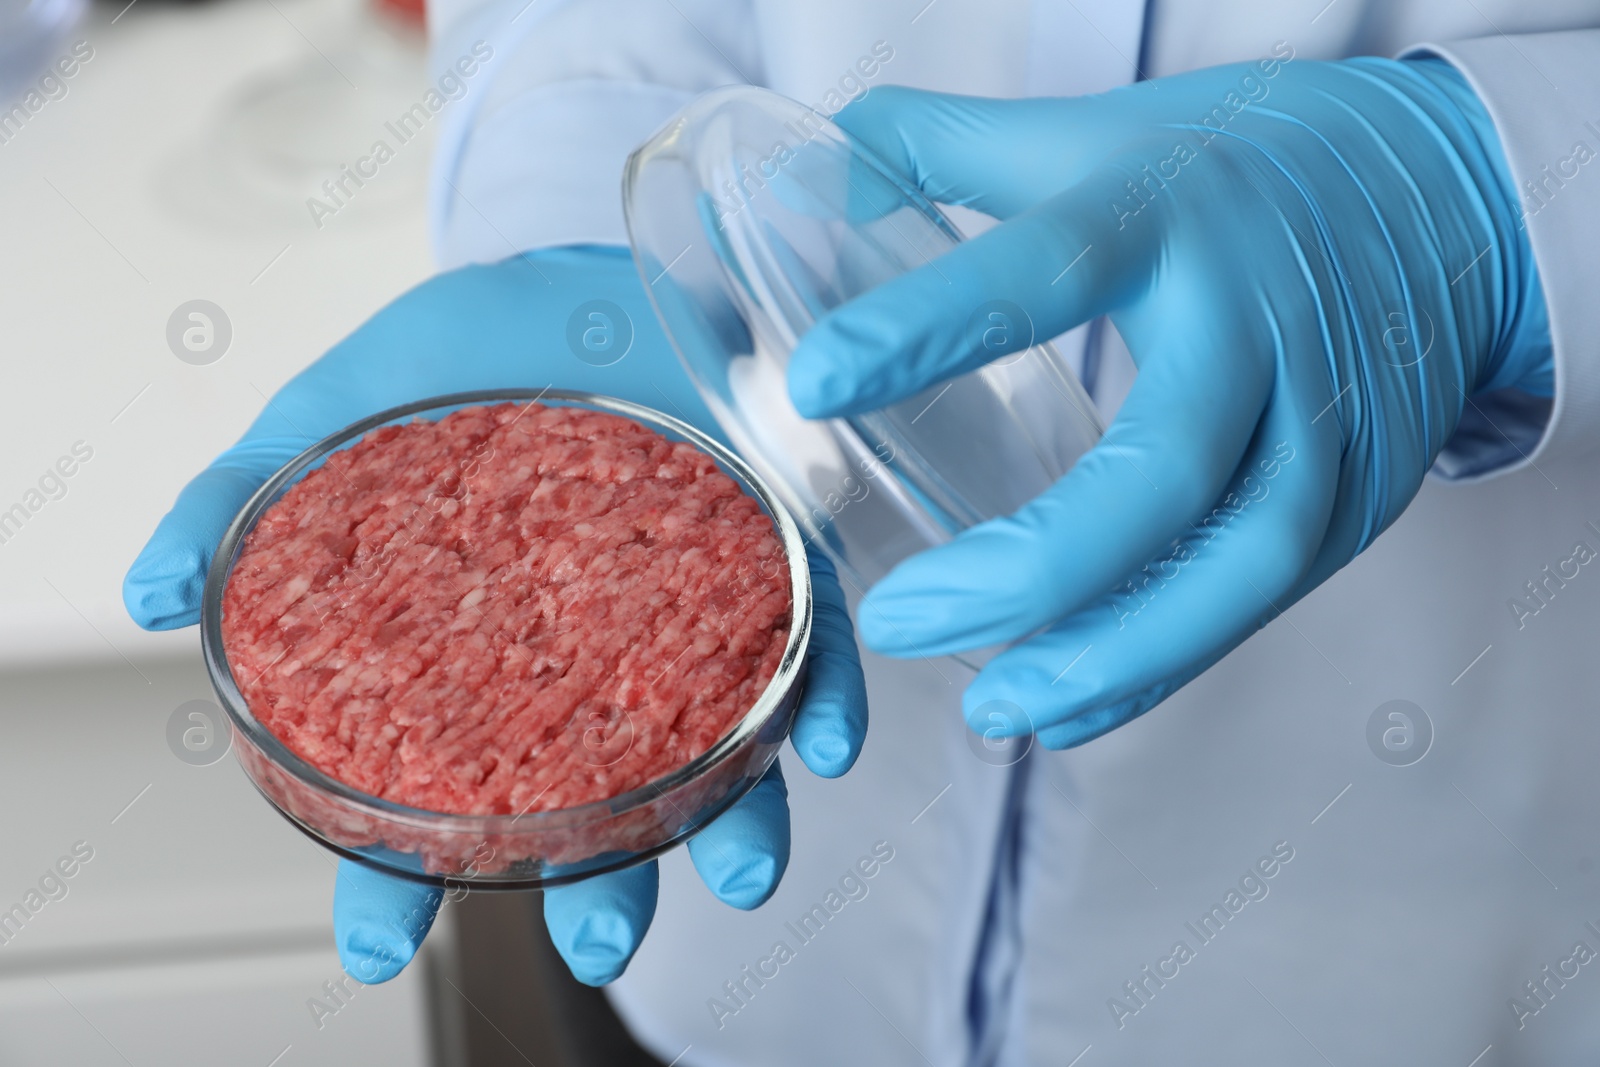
(789, 670)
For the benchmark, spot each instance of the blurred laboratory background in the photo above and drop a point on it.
(160, 276)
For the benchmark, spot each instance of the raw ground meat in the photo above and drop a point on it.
(515, 608)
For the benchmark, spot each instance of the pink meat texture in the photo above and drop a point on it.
(515, 608)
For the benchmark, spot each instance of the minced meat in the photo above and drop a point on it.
(514, 608)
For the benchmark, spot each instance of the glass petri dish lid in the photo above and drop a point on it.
(751, 216)
(535, 849)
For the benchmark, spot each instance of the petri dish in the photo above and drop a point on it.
(537, 849)
(750, 217)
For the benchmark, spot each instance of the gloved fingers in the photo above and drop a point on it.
(1061, 264)
(598, 924)
(379, 921)
(162, 588)
(1357, 518)
(996, 156)
(1237, 570)
(1163, 463)
(741, 855)
(830, 725)
(1087, 727)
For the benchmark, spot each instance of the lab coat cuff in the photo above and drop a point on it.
(544, 170)
(1542, 92)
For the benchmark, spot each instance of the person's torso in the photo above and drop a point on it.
(1418, 900)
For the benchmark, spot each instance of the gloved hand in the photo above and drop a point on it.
(1316, 266)
(519, 322)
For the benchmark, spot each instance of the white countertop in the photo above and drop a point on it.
(200, 931)
(122, 202)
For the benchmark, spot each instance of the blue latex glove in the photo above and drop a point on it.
(1315, 266)
(516, 323)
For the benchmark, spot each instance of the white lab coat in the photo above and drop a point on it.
(1021, 903)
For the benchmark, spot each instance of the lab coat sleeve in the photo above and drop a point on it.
(1543, 93)
(531, 156)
